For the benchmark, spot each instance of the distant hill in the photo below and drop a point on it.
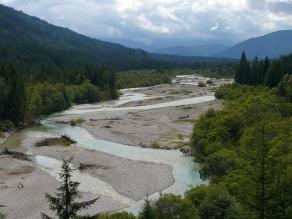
(130, 43)
(202, 50)
(23, 37)
(272, 45)
(40, 48)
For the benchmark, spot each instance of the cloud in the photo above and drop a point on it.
(145, 20)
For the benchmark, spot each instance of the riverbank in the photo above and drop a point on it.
(122, 175)
(135, 123)
(30, 201)
(118, 181)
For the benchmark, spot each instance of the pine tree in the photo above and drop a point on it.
(15, 107)
(242, 73)
(63, 203)
(274, 75)
(112, 84)
(256, 71)
(147, 211)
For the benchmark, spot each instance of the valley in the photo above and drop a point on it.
(122, 175)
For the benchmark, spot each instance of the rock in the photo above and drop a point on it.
(20, 186)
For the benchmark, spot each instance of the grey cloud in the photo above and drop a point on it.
(281, 7)
(173, 19)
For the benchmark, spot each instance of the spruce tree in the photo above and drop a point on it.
(147, 211)
(63, 203)
(112, 84)
(274, 75)
(242, 73)
(256, 71)
(15, 107)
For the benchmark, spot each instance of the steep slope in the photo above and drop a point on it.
(42, 49)
(272, 45)
(23, 37)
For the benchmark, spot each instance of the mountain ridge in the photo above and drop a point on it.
(273, 45)
(206, 50)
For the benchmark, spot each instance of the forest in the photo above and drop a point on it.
(245, 154)
(148, 77)
(45, 52)
(22, 102)
(244, 150)
(263, 72)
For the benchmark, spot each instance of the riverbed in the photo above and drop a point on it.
(118, 136)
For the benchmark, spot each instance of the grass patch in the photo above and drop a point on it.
(75, 122)
(187, 92)
(2, 134)
(23, 170)
(180, 137)
(155, 145)
(63, 140)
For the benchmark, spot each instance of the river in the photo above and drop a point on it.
(185, 171)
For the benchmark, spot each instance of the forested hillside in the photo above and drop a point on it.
(21, 103)
(263, 72)
(45, 68)
(272, 45)
(44, 52)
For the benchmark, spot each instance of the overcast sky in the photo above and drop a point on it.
(145, 20)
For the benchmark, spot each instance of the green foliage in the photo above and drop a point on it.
(214, 201)
(285, 87)
(243, 71)
(63, 140)
(247, 146)
(155, 145)
(12, 102)
(44, 52)
(147, 211)
(21, 103)
(146, 78)
(118, 215)
(170, 206)
(263, 72)
(45, 98)
(273, 75)
(142, 78)
(203, 202)
(63, 203)
(75, 122)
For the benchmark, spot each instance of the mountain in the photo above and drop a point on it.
(272, 45)
(130, 43)
(39, 48)
(28, 39)
(201, 50)
(157, 44)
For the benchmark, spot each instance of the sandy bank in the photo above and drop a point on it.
(168, 127)
(28, 202)
(133, 179)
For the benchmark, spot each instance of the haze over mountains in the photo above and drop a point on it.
(272, 45)
(37, 46)
(23, 37)
(207, 50)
